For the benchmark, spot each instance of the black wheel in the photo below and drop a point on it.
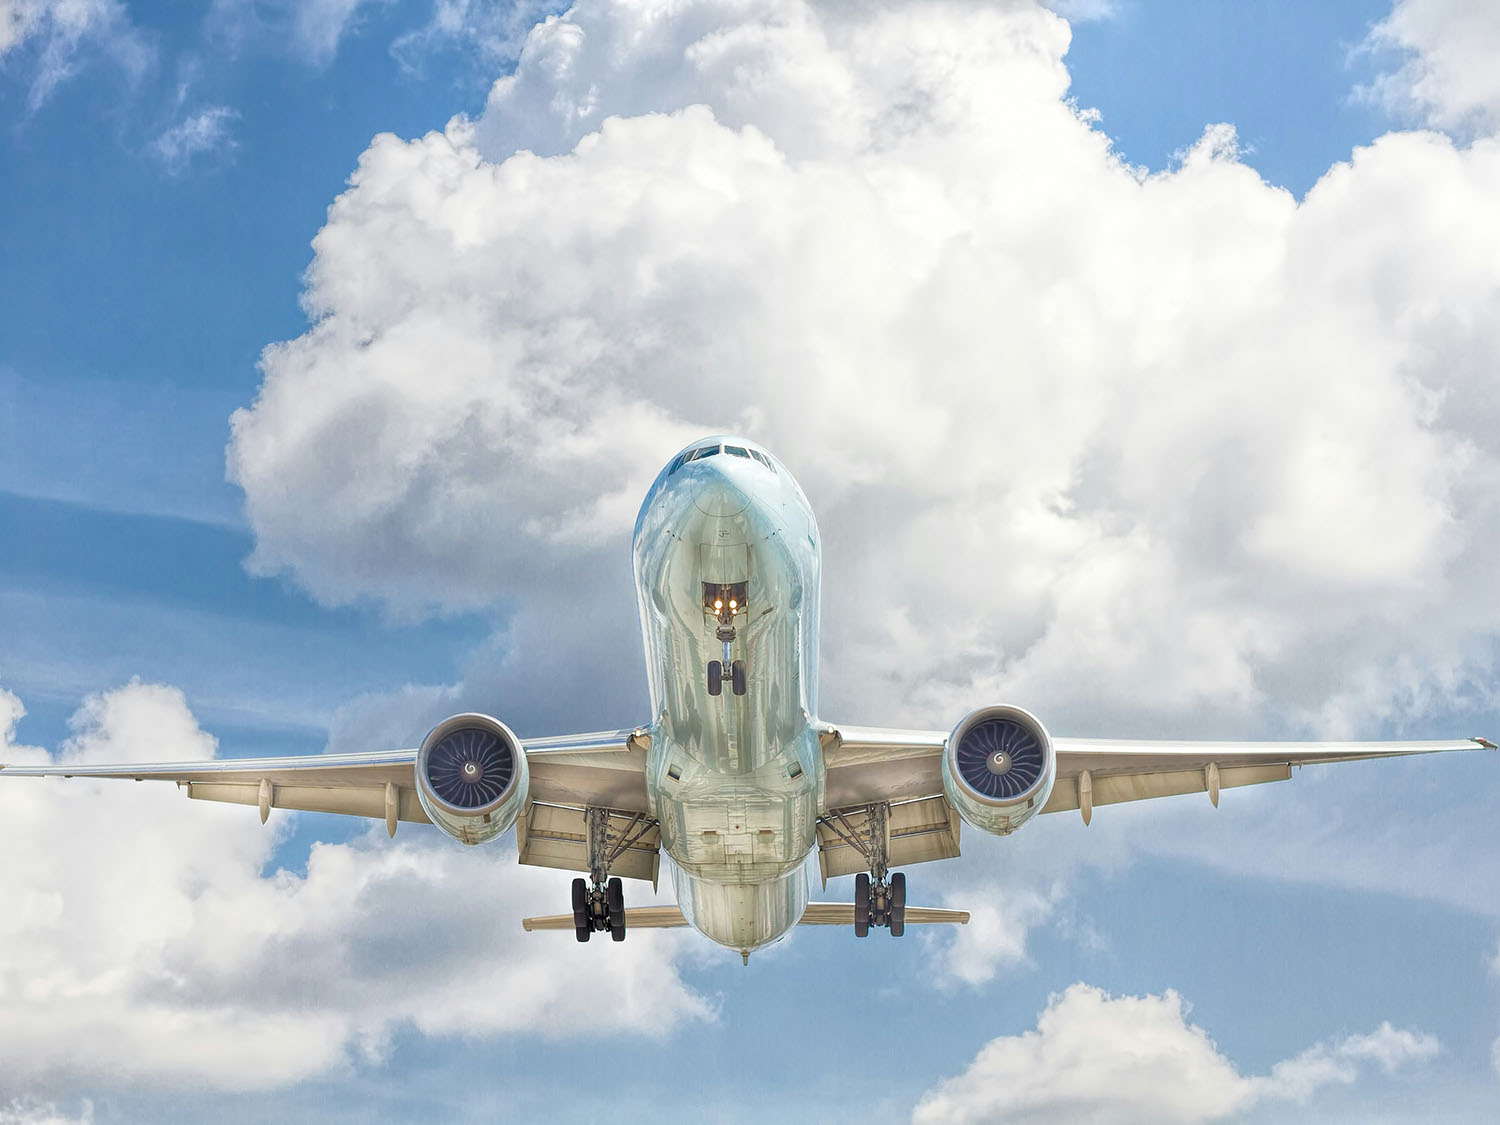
(861, 905)
(715, 677)
(737, 676)
(614, 897)
(898, 904)
(581, 924)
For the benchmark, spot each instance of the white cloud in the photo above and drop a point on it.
(321, 24)
(1236, 454)
(995, 938)
(143, 941)
(495, 32)
(62, 29)
(1082, 11)
(195, 135)
(1097, 1057)
(311, 29)
(1447, 76)
(32, 1111)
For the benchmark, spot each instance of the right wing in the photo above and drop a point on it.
(903, 768)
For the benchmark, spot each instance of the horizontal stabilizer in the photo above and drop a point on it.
(842, 914)
(818, 914)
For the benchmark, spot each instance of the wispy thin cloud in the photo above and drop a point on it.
(201, 133)
(61, 30)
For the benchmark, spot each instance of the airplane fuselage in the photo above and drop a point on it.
(727, 569)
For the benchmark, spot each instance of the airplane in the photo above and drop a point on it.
(735, 775)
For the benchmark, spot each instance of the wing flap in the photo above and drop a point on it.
(368, 802)
(917, 831)
(557, 836)
(1111, 789)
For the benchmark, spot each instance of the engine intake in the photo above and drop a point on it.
(998, 768)
(472, 777)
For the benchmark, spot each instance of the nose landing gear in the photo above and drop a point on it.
(724, 602)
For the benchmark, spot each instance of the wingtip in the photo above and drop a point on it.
(1485, 742)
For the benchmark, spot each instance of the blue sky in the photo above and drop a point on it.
(320, 596)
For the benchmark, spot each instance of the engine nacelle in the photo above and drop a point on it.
(998, 768)
(472, 777)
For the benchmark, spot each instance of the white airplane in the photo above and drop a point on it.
(734, 775)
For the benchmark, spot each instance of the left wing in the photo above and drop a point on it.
(568, 774)
(903, 768)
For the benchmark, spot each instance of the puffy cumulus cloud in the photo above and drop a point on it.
(1447, 76)
(1097, 1057)
(1133, 445)
(145, 940)
(61, 29)
(195, 135)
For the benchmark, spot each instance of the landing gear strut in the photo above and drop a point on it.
(725, 601)
(599, 901)
(878, 901)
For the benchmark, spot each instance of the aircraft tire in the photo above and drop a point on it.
(581, 924)
(715, 677)
(861, 905)
(614, 896)
(737, 677)
(898, 904)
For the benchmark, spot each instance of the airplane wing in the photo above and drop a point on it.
(871, 765)
(605, 770)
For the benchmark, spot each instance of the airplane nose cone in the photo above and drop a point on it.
(721, 499)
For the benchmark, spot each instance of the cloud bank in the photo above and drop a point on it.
(1095, 1057)
(1137, 446)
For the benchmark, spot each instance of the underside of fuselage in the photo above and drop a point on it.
(727, 570)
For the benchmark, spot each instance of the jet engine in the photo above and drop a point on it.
(472, 777)
(998, 768)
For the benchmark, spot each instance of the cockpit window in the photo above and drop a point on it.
(703, 451)
(692, 455)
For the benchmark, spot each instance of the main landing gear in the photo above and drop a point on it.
(599, 901)
(725, 601)
(599, 907)
(878, 901)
